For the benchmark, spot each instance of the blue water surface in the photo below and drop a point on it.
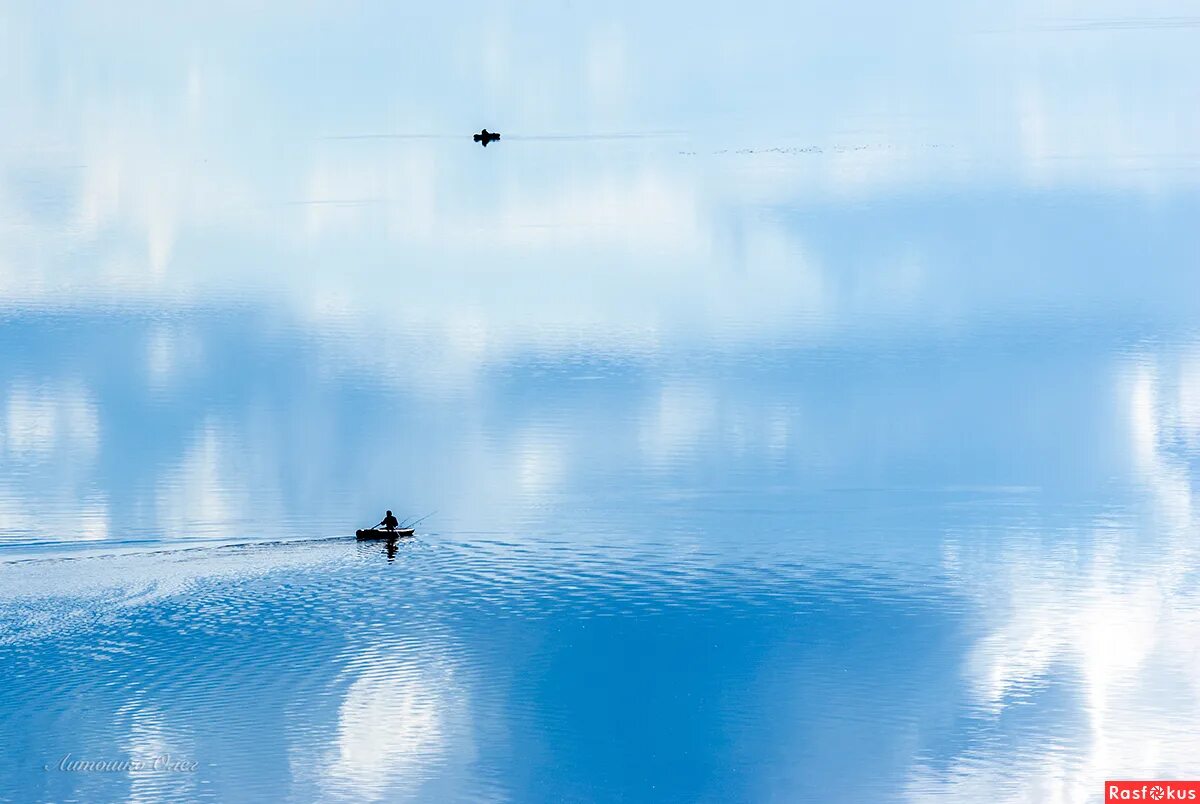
(808, 399)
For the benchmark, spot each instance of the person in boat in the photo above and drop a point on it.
(389, 522)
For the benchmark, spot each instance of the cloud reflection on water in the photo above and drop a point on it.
(400, 721)
(1113, 613)
(845, 343)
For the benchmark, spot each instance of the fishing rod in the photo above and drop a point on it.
(422, 519)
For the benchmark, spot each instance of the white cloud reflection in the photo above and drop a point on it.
(39, 420)
(1117, 615)
(403, 717)
(50, 430)
(194, 137)
(153, 738)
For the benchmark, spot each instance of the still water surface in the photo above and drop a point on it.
(809, 398)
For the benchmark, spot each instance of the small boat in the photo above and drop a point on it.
(485, 136)
(380, 533)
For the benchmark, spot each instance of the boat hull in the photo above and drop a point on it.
(375, 533)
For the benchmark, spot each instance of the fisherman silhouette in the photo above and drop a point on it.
(485, 136)
(389, 522)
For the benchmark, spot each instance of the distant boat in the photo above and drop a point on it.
(485, 136)
(380, 533)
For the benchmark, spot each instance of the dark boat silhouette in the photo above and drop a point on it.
(485, 136)
(380, 533)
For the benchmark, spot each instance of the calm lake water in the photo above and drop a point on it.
(809, 399)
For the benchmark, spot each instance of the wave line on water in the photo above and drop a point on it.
(616, 135)
(388, 136)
